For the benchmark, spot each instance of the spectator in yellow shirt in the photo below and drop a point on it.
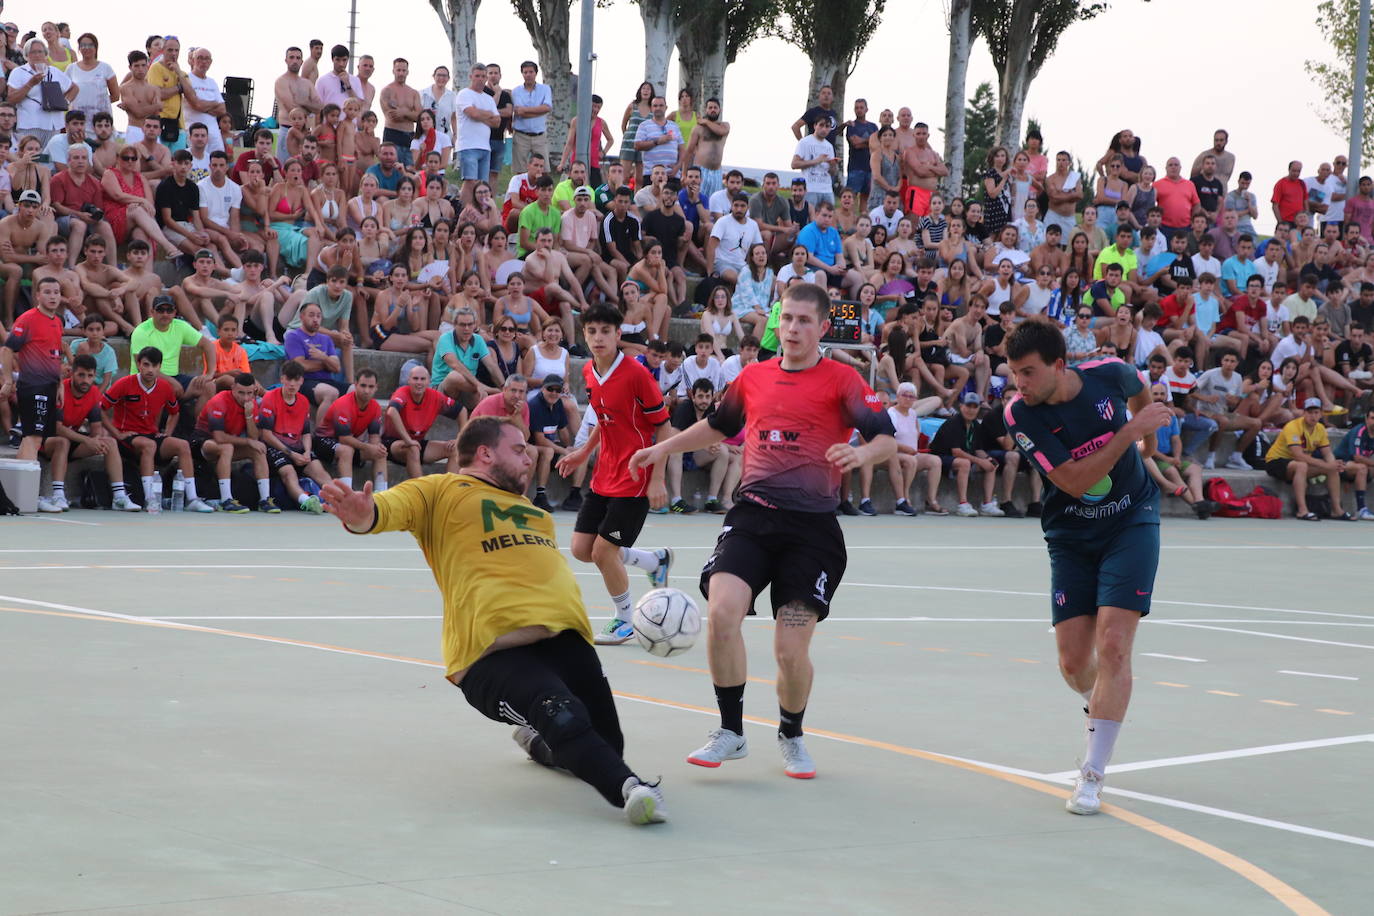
(1303, 448)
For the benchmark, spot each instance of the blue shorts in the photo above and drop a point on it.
(1116, 571)
(473, 164)
(859, 181)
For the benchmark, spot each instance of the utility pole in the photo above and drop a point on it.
(586, 60)
(352, 32)
(1357, 96)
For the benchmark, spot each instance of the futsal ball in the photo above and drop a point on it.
(1096, 492)
(666, 622)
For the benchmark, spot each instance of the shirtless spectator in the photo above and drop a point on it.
(21, 235)
(210, 298)
(964, 338)
(922, 168)
(154, 159)
(1063, 200)
(104, 146)
(292, 89)
(1050, 253)
(351, 434)
(400, 111)
(139, 98)
(410, 415)
(79, 203)
(1223, 161)
(147, 285)
(55, 267)
(552, 283)
(706, 147)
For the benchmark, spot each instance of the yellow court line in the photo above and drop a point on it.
(1278, 702)
(1169, 684)
(1281, 891)
(1224, 693)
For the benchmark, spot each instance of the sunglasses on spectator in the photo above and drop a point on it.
(1085, 314)
(556, 388)
(164, 308)
(133, 158)
(506, 327)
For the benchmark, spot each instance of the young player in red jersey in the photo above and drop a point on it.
(797, 413)
(630, 415)
(81, 405)
(138, 401)
(283, 418)
(409, 416)
(351, 433)
(227, 431)
(34, 349)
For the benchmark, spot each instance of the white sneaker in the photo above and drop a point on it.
(1365, 515)
(991, 509)
(1237, 463)
(61, 503)
(617, 632)
(47, 505)
(797, 763)
(965, 510)
(1211, 463)
(122, 503)
(722, 744)
(659, 576)
(643, 802)
(1086, 795)
(198, 505)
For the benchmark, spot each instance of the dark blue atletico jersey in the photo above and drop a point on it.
(1052, 434)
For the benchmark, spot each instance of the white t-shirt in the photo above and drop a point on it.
(472, 133)
(30, 113)
(218, 201)
(517, 184)
(441, 143)
(788, 272)
(207, 90)
(200, 168)
(731, 369)
(907, 427)
(878, 218)
(1324, 191)
(735, 239)
(444, 108)
(93, 90)
(1213, 382)
(1270, 272)
(691, 372)
(1276, 317)
(1145, 344)
(1210, 265)
(817, 176)
(1285, 348)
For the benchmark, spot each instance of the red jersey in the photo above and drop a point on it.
(1255, 309)
(290, 422)
(345, 419)
(790, 419)
(222, 413)
(1171, 309)
(418, 418)
(525, 192)
(629, 407)
(138, 409)
(77, 410)
(36, 340)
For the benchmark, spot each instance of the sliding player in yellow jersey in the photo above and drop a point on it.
(516, 636)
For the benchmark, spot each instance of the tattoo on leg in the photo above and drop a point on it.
(795, 615)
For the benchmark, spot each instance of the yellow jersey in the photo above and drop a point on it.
(163, 78)
(1296, 433)
(494, 557)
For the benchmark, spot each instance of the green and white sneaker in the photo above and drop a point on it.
(617, 632)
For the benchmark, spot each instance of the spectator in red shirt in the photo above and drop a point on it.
(351, 433)
(79, 202)
(1290, 194)
(1177, 197)
(227, 431)
(81, 399)
(1359, 210)
(261, 152)
(1245, 319)
(413, 409)
(283, 419)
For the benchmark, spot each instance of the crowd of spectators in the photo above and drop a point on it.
(313, 236)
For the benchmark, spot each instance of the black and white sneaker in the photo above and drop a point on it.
(866, 507)
(846, 508)
(903, 507)
(573, 502)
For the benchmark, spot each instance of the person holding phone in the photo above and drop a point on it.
(40, 111)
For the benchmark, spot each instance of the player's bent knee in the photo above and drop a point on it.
(559, 719)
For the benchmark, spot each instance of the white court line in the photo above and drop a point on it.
(1222, 755)
(1170, 802)
(61, 521)
(1324, 642)
(1334, 677)
(1177, 658)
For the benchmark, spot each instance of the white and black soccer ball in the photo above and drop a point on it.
(666, 622)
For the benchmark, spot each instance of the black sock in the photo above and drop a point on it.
(731, 703)
(790, 723)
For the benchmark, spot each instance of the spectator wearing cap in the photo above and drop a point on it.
(554, 419)
(699, 405)
(579, 234)
(22, 235)
(23, 92)
(168, 334)
(962, 446)
(731, 238)
(1302, 449)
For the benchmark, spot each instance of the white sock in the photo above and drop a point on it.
(639, 558)
(190, 489)
(379, 484)
(264, 488)
(226, 493)
(149, 487)
(622, 606)
(1101, 740)
(347, 481)
(302, 499)
(59, 489)
(117, 488)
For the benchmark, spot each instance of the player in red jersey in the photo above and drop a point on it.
(351, 433)
(138, 401)
(80, 406)
(796, 413)
(409, 416)
(34, 350)
(283, 418)
(227, 431)
(630, 415)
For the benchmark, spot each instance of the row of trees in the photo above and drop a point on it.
(709, 35)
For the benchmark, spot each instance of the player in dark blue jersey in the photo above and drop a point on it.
(1101, 521)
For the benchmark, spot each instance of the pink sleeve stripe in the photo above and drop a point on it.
(1092, 363)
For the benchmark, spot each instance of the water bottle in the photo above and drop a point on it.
(697, 498)
(154, 499)
(178, 493)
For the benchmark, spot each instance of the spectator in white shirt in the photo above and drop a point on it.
(477, 115)
(702, 365)
(815, 156)
(730, 241)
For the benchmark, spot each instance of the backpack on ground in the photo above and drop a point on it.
(94, 490)
(7, 507)
(1264, 502)
(1229, 505)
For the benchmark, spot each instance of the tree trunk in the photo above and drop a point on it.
(660, 34)
(956, 92)
(547, 22)
(701, 54)
(1014, 79)
(835, 74)
(459, 18)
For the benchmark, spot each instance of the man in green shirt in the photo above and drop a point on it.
(169, 334)
(541, 214)
(563, 192)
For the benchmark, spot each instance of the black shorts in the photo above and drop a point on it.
(279, 459)
(387, 442)
(618, 519)
(197, 441)
(323, 448)
(126, 446)
(1277, 468)
(801, 554)
(309, 385)
(38, 411)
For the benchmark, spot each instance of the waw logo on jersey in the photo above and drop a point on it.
(778, 435)
(517, 515)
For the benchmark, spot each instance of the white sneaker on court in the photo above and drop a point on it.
(45, 504)
(721, 745)
(1086, 795)
(122, 503)
(616, 633)
(797, 763)
(643, 802)
(658, 577)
